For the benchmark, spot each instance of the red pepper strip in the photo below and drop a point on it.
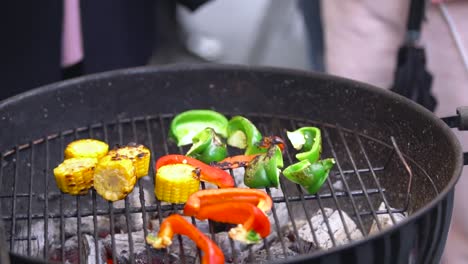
(234, 162)
(207, 173)
(248, 216)
(176, 224)
(204, 198)
(267, 142)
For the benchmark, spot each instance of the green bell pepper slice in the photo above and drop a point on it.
(243, 134)
(309, 175)
(208, 146)
(187, 124)
(263, 171)
(308, 140)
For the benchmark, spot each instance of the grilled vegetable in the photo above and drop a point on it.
(206, 173)
(114, 177)
(234, 162)
(174, 183)
(86, 148)
(203, 198)
(309, 175)
(244, 135)
(176, 224)
(189, 123)
(253, 224)
(263, 171)
(138, 154)
(308, 140)
(208, 146)
(75, 175)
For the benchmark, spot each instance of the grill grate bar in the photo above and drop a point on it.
(288, 206)
(111, 209)
(410, 173)
(278, 230)
(361, 182)
(335, 200)
(62, 218)
(78, 218)
(13, 202)
(166, 207)
(128, 219)
(343, 178)
(46, 198)
(166, 151)
(374, 176)
(142, 197)
(31, 174)
(94, 201)
(301, 196)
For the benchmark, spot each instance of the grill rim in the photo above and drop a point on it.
(438, 124)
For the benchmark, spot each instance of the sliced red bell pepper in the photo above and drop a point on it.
(207, 173)
(204, 198)
(253, 223)
(176, 224)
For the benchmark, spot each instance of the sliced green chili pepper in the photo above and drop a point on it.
(311, 176)
(189, 123)
(308, 140)
(244, 135)
(263, 171)
(208, 146)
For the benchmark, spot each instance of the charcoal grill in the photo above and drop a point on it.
(388, 151)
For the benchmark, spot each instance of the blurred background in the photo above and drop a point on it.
(260, 32)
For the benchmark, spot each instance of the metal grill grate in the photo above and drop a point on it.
(30, 199)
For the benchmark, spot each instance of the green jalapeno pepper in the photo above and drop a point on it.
(187, 124)
(263, 171)
(244, 135)
(308, 140)
(309, 175)
(208, 146)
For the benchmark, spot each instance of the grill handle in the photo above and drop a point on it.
(459, 121)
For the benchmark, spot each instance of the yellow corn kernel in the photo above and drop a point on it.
(114, 177)
(86, 148)
(139, 154)
(75, 175)
(174, 183)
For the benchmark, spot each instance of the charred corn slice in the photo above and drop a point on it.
(114, 177)
(174, 183)
(86, 148)
(75, 175)
(139, 154)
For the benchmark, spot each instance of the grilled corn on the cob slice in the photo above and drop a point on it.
(75, 175)
(139, 154)
(114, 177)
(86, 148)
(174, 183)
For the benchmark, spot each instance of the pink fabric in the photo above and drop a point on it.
(72, 45)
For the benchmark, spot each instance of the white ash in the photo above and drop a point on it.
(136, 219)
(37, 236)
(189, 253)
(239, 177)
(337, 229)
(338, 185)
(89, 249)
(385, 220)
(87, 225)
